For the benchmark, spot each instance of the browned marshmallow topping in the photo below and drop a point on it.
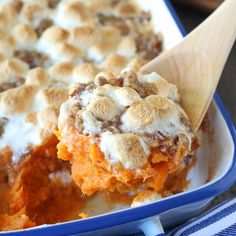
(127, 115)
(48, 46)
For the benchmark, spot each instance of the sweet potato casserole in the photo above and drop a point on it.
(78, 122)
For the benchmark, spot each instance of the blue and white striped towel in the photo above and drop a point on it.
(219, 221)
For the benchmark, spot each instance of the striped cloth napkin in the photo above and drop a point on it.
(219, 221)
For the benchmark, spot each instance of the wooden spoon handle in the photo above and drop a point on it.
(215, 37)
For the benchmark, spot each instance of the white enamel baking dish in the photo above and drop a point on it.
(216, 156)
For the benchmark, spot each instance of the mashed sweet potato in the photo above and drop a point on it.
(31, 197)
(92, 172)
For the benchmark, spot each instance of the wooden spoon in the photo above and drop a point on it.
(195, 64)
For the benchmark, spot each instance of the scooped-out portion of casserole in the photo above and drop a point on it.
(126, 133)
(125, 136)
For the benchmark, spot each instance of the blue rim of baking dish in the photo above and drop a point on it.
(152, 209)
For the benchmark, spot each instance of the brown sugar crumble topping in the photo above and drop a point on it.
(33, 58)
(15, 82)
(43, 25)
(149, 46)
(53, 3)
(114, 21)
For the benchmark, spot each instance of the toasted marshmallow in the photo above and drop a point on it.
(164, 88)
(48, 117)
(42, 3)
(139, 117)
(110, 39)
(156, 113)
(34, 12)
(66, 52)
(91, 125)
(54, 34)
(71, 14)
(122, 96)
(127, 47)
(115, 63)
(127, 96)
(98, 6)
(111, 36)
(85, 97)
(24, 35)
(127, 9)
(107, 75)
(164, 106)
(11, 68)
(37, 76)
(17, 100)
(102, 108)
(126, 149)
(29, 11)
(10, 13)
(98, 52)
(84, 73)
(62, 71)
(135, 64)
(53, 96)
(8, 46)
(161, 103)
(51, 37)
(85, 36)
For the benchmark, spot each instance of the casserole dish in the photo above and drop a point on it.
(217, 148)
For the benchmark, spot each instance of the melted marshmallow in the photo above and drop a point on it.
(122, 96)
(165, 89)
(18, 136)
(169, 125)
(117, 149)
(91, 125)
